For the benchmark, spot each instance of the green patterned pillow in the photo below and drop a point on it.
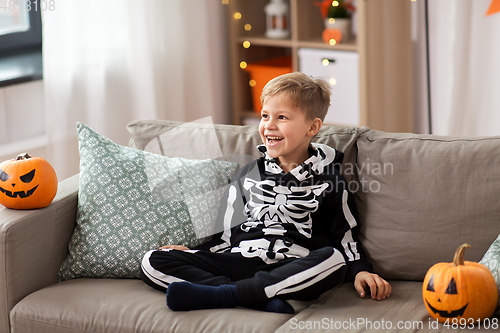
(131, 201)
(492, 260)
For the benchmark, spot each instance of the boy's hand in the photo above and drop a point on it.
(174, 247)
(379, 288)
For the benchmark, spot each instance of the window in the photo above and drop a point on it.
(20, 42)
(20, 26)
(14, 21)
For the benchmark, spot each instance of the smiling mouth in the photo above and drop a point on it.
(448, 314)
(20, 194)
(273, 139)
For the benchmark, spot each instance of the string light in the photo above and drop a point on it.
(335, 3)
(237, 15)
(248, 27)
(332, 41)
(332, 81)
(225, 2)
(243, 64)
(246, 44)
(325, 62)
(252, 83)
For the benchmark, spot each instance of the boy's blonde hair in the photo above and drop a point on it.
(311, 95)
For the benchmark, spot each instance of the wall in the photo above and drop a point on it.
(22, 122)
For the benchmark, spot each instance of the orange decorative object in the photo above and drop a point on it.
(262, 72)
(332, 36)
(494, 7)
(461, 289)
(27, 183)
(323, 6)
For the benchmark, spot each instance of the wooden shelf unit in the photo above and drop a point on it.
(383, 42)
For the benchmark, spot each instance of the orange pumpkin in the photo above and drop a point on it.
(332, 36)
(461, 289)
(27, 183)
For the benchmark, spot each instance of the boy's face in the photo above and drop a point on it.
(286, 131)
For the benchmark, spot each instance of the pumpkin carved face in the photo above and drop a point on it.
(462, 289)
(27, 183)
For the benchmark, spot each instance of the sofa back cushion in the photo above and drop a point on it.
(196, 140)
(421, 196)
(202, 139)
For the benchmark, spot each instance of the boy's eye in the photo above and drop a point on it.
(281, 117)
(264, 116)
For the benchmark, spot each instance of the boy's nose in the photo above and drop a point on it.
(270, 124)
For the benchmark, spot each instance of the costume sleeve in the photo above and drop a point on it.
(231, 212)
(357, 260)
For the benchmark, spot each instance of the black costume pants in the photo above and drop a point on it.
(257, 282)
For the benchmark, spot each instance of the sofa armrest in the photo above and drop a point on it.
(33, 245)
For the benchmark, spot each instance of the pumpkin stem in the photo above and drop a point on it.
(23, 156)
(459, 255)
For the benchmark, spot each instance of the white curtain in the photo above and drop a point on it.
(465, 67)
(107, 63)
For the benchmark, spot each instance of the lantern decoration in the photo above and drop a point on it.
(27, 183)
(494, 7)
(277, 18)
(461, 289)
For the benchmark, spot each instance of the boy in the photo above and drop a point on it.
(295, 224)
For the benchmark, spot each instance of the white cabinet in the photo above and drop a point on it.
(341, 70)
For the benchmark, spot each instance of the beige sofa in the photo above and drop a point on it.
(419, 197)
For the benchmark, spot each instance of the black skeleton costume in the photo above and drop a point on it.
(289, 235)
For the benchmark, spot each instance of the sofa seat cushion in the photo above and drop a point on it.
(125, 305)
(342, 310)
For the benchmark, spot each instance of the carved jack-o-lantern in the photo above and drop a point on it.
(462, 289)
(27, 183)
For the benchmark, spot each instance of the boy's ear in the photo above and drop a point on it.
(315, 127)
